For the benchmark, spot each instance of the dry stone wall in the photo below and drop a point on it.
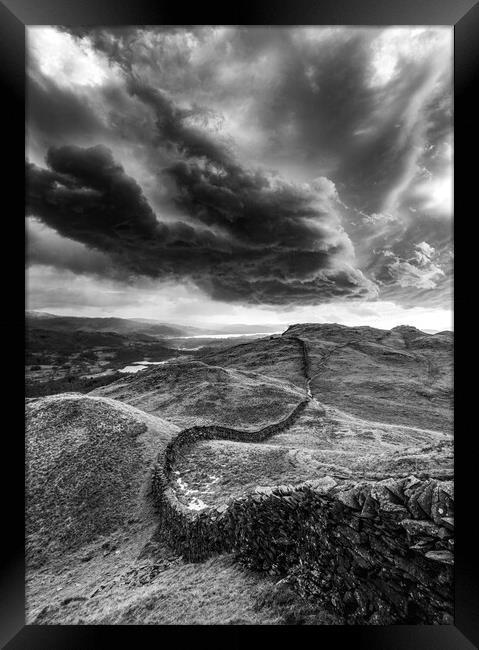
(377, 553)
(194, 535)
(305, 361)
(374, 552)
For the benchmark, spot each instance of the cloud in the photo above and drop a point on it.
(410, 275)
(424, 253)
(418, 271)
(249, 236)
(271, 166)
(172, 126)
(46, 247)
(56, 115)
(369, 108)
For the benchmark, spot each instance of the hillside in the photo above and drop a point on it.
(137, 326)
(371, 414)
(274, 356)
(79, 354)
(401, 376)
(88, 466)
(192, 392)
(325, 441)
(93, 553)
(350, 418)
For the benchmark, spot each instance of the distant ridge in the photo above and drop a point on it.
(112, 324)
(147, 326)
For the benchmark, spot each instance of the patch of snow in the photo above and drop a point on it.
(182, 485)
(197, 504)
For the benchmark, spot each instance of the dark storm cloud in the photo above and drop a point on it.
(238, 232)
(255, 239)
(57, 113)
(45, 247)
(172, 129)
(321, 90)
(87, 196)
(259, 211)
(361, 131)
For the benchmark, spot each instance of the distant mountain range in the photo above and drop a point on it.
(116, 325)
(150, 327)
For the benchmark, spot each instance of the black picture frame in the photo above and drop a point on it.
(15, 16)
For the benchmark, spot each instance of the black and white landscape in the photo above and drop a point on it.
(239, 356)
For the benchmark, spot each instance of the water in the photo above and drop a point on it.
(224, 336)
(137, 366)
(142, 365)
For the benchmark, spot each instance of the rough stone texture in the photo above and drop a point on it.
(367, 558)
(193, 434)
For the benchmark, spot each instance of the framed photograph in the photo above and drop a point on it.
(239, 313)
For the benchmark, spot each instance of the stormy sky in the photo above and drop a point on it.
(218, 175)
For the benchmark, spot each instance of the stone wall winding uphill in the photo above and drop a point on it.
(165, 461)
(193, 434)
(376, 552)
(196, 536)
(305, 360)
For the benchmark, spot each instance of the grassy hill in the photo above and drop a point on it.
(191, 392)
(274, 356)
(401, 376)
(88, 466)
